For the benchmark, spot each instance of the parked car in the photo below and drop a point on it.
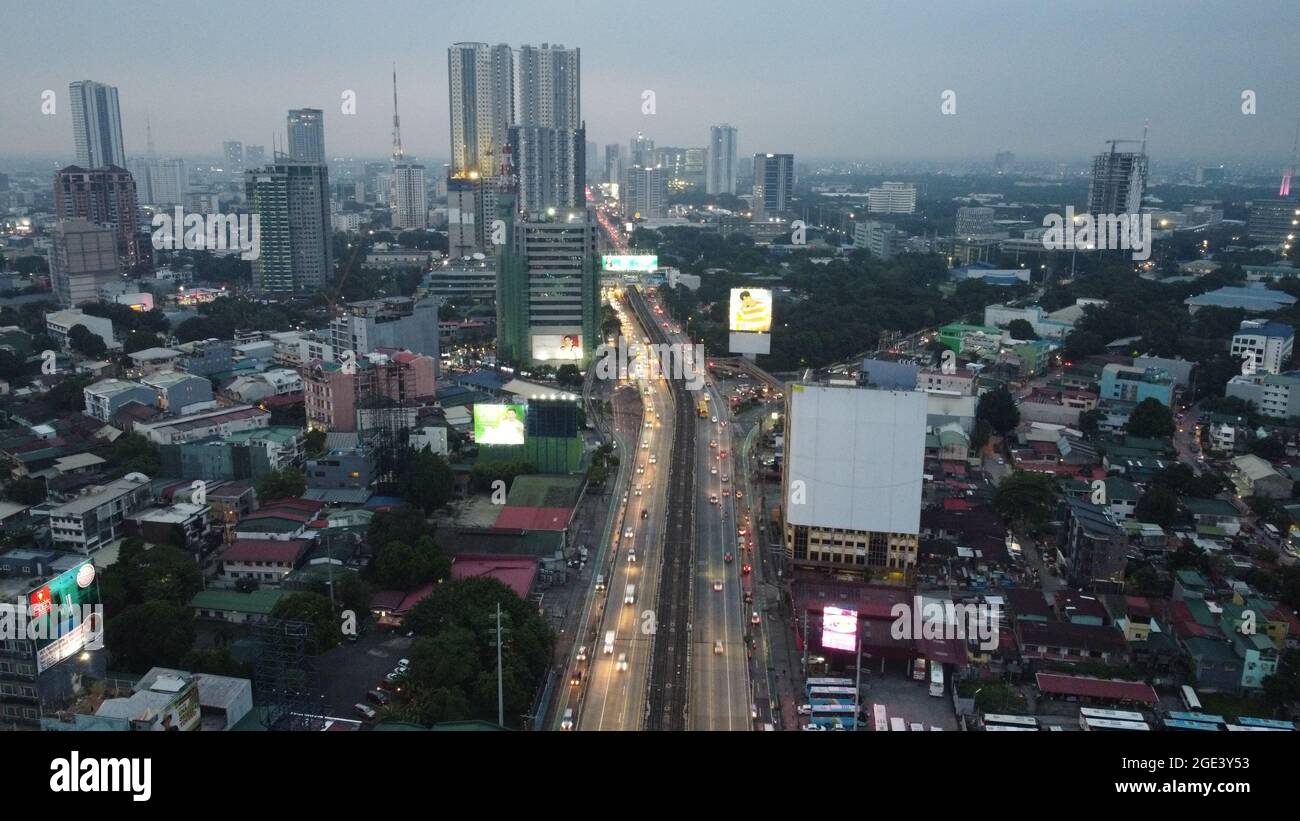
(365, 711)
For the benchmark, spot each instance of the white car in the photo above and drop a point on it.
(631, 555)
(726, 477)
(713, 470)
(803, 709)
(621, 664)
(753, 618)
(814, 728)
(645, 444)
(717, 585)
(654, 459)
(717, 647)
(627, 534)
(713, 419)
(582, 653)
(365, 711)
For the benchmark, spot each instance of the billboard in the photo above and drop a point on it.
(65, 616)
(562, 347)
(499, 424)
(751, 310)
(630, 262)
(839, 628)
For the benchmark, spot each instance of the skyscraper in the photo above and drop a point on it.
(548, 286)
(773, 184)
(410, 199)
(160, 182)
(104, 196)
(645, 193)
(83, 256)
(614, 163)
(549, 86)
(254, 156)
(481, 90)
(721, 175)
(550, 166)
(234, 154)
(96, 125)
(291, 202)
(641, 151)
(307, 135)
(1119, 179)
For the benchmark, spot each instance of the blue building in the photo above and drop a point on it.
(1132, 384)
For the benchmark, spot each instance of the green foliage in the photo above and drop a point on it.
(132, 453)
(426, 481)
(286, 483)
(404, 524)
(401, 566)
(998, 408)
(485, 473)
(1026, 499)
(151, 634)
(314, 442)
(1151, 419)
(1021, 329)
(314, 609)
(26, 490)
(1157, 505)
(86, 343)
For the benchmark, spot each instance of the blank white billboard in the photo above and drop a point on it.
(855, 458)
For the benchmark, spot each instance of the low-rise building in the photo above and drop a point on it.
(58, 324)
(97, 518)
(1268, 345)
(1132, 384)
(103, 399)
(1253, 476)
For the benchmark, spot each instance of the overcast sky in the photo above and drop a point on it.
(835, 79)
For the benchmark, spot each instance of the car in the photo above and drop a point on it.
(567, 722)
(1001, 461)
(582, 653)
(753, 618)
(813, 727)
(722, 454)
(645, 513)
(717, 585)
(726, 557)
(621, 664)
(713, 498)
(576, 678)
(653, 459)
(749, 597)
(726, 478)
(740, 531)
(631, 555)
(379, 697)
(803, 709)
(713, 443)
(740, 494)
(365, 711)
(649, 424)
(726, 491)
(636, 491)
(717, 648)
(745, 569)
(627, 533)
(713, 419)
(393, 677)
(402, 664)
(723, 423)
(753, 711)
(645, 444)
(713, 471)
(640, 468)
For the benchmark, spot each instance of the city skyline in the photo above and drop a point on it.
(878, 93)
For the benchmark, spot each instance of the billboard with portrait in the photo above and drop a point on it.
(65, 616)
(499, 424)
(557, 347)
(751, 310)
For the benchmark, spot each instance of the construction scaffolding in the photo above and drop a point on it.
(286, 680)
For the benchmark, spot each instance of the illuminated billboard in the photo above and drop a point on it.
(630, 262)
(499, 424)
(751, 310)
(65, 616)
(839, 628)
(564, 347)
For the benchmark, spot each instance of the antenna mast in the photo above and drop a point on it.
(397, 123)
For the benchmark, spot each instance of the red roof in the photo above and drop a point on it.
(515, 517)
(279, 551)
(1109, 689)
(515, 572)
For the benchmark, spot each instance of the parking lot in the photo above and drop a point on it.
(349, 670)
(904, 698)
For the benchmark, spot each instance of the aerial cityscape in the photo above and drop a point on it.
(856, 369)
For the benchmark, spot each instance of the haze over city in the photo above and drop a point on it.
(841, 80)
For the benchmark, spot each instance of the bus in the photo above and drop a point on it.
(1266, 723)
(1239, 727)
(1112, 715)
(702, 408)
(882, 718)
(1184, 724)
(828, 715)
(1108, 724)
(936, 679)
(831, 695)
(1007, 728)
(1199, 718)
(1010, 721)
(897, 725)
(828, 682)
(1190, 701)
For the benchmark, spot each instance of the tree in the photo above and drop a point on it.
(286, 483)
(1022, 330)
(1157, 505)
(152, 634)
(1151, 419)
(1026, 499)
(140, 340)
(426, 481)
(86, 343)
(313, 442)
(314, 609)
(133, 453)
(405, 524)
(998, 408)
(26, 490)
(569, 376)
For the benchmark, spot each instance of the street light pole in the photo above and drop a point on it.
(501, 704)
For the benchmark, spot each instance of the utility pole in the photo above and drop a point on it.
(857, 684)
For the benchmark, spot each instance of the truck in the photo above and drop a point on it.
(629, 594)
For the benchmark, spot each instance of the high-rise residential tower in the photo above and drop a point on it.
(481, 91)
(1118, 181)
(721, 174)
(549, 83)
(104, 196)
(96, 125)
(307, 135)
(291, 202)
(233, 151)
(645, 192)
(773, 184)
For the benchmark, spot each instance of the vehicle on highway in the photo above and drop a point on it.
(654, 460)
(803, 709)
(717, 585)
(621, 665)
(726, 478)
(813, 727)
(722, 454)
(713, 419)
(631, 555)
(713, 443)
(378, 696)
(726, 557)
(629, 594)
(365, 711)
(713, 471)
(740, 531)
(636, 491)
(576, 678)
(717, 648)
(600, 581)
(745, 569)
(645, 513)
(713, 498)
(649, 424)
(645, 444)
(582, 653)
(753, 618)
(749, 597)
(393, 677)
(640, 468)
(726, 492)
(740, 494)
(627, 533)
(567, 722)
(609, 642)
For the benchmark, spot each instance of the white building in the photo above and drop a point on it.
(410, 199)
(95, 518)
(1269, 345)
(59, 323)
(892, 198)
